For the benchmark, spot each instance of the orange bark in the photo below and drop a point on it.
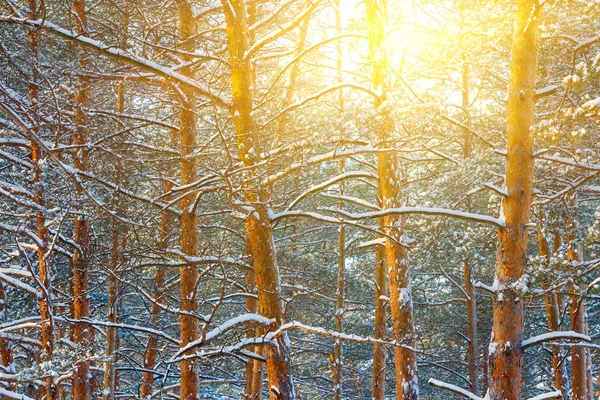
(259, 231)
(47, 326)
(390, 190)
(188, 221)
(472, 348)
(81, 331)
(506, 354)
(151, 352)
(553, 317)
(380, 331)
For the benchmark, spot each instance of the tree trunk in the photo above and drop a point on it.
(341, 270)
(45, 302)
(553, 317)
(390, 190)
(577, 310)
(380, 332)
(117, 241)
(506, 353)
(81, 331)
(151, 352)
(467, 139)
(259, 231)
(188, 221)
(339, 311)
(472, 349)
(6, 355)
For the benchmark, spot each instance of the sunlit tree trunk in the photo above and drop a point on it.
(151, 352)
(188, 220)
(81, 331)
(472, 348)
(390, 190)
(259, 230)
(467, 139)
(553, 317)
(506, 353)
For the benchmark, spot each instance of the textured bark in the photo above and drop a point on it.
(579, 385)
(151, 352)
(188, 220)
(506, 353)
(390, 191)
(81, 332)
(45, 303)
(553, 317)
(259, 231)
(380, 331)
(472, 348)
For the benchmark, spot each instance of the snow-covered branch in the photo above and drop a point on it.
(453, 388)
(121, 55)
(546, 337)
(485, 219)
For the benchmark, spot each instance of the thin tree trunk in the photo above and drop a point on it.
(390, 190)
(341, 270)
(117, 242)
(45, 302)
(553, 317)
(259, 231)
(151, 352)
(6, 355)
(467, 139)
(339, 312)
(472, 349)
(81, 331)
(506, 353)
(380, 332)
(577, 310)
(188, 220)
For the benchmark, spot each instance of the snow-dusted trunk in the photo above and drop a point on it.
(390, 191)
(259, 231)
(380, 331)
(81, 331)
(45, 303)
(472, 347)
(553, 317)
(151, 352)
(506, 353)
(188, 220)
